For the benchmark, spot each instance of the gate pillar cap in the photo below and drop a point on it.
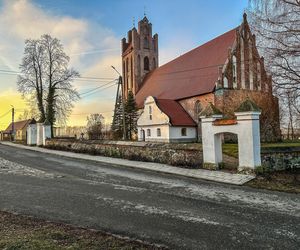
(210, 111)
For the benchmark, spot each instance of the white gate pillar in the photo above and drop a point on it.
(39, 134)
(32, 133)
(46, 132)
(249, 139)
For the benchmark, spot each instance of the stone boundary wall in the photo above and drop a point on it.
(175, 155)
(276, 159)
(184, 155)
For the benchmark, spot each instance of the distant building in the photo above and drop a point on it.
(225, 71)
(20, 128)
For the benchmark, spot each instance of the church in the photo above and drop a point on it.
(224, 72)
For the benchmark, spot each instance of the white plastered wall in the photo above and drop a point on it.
(160, 121)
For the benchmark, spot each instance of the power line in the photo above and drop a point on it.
(13, 72)
(91, 90)
(5, 113)
(167, 73)
(97, 91)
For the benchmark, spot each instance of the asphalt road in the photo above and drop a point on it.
(178, 212)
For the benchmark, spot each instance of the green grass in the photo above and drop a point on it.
(231, 149)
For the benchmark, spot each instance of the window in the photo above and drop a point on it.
(146, 43)
(150, 112)
(198, 109)
(146, 63)
(148, 132)
(234, 73)
(158, 132)
(258, 76)
(139, 65)
(225, 82)
(183, 132)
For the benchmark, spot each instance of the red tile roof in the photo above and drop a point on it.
(18, 125)
(194, 73)
(176, 113)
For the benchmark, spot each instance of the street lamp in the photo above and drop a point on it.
(123, 102)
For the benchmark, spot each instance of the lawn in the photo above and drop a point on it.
(22, 232)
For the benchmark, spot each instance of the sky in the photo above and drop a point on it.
(91, 30)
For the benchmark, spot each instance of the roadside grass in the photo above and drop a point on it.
(21, 232)
(284, 181)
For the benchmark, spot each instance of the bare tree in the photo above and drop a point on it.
(277, 25)
(95, 126)
(46, 78)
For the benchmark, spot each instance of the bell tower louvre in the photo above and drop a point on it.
(139, 56)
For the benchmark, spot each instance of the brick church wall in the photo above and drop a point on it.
(228, 100)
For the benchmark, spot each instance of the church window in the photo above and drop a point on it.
(146, 63)
(225, 82)
(148, 132)
(258, 76)
(198, 109)
(146, 43)
(154, 45)
(183, 132)
(158, 132)
(127, 65)
(139, 65)
(234, 72)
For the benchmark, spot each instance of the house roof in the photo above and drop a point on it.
(18, 125)
(177, 115)
(194, 73)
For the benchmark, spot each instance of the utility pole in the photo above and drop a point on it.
(123, 102)
(12, 123)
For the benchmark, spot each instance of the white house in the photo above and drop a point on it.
(165, 120)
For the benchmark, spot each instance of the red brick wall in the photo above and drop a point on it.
(229, 100)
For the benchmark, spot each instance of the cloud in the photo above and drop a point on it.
(8, 98)
(92, 47)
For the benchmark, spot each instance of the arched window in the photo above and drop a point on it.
(146, 63)
(153, 63)
(146, 43)
(127, 65)
(225, 82)
(139, 65)
(183, 132)
(258, 76)
(198, 109)
(234, 73)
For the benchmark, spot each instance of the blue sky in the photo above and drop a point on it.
(91, 30)
(200, 20)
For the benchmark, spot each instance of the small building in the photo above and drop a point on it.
(165, 120)
(20, 128)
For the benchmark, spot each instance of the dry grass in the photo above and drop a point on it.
(22, 232)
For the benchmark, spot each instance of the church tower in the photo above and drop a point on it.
(139, 56)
